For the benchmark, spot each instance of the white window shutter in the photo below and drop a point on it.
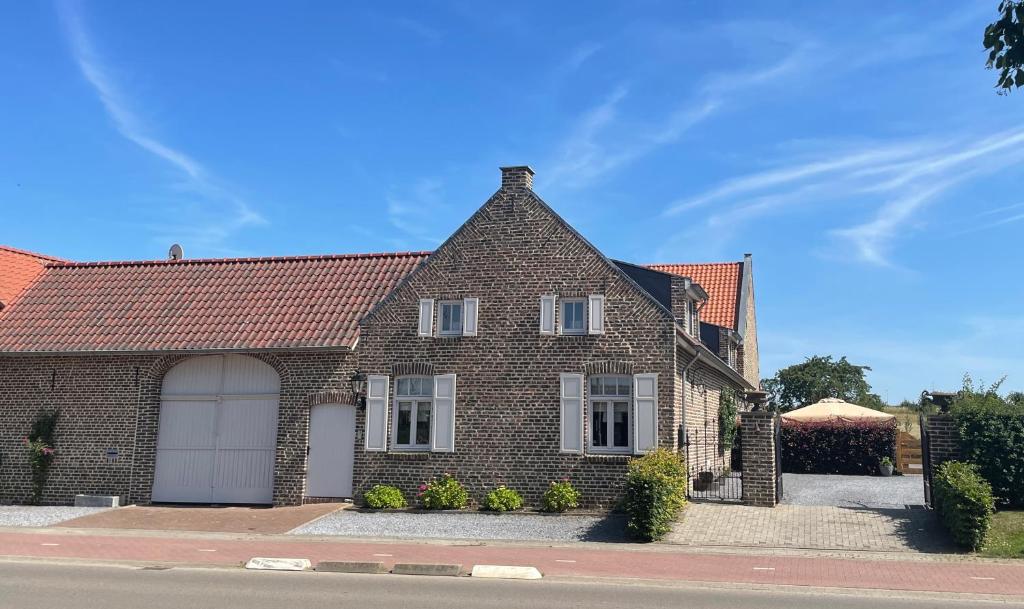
(426, 317)
(442, 437)
(645, 413)
(376, 412)
(547, 314)
(571, 413)
(595, 319)
(470, 308)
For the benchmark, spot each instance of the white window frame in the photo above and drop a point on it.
(417, 402)
(627, 400)
(582, 302)
(440, 317)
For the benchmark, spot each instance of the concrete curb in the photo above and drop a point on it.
(505, 572)
(427, 569)
(278, 564)
(350, 567)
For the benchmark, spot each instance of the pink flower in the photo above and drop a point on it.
(423, 487)
(48, 451)
(25, 441)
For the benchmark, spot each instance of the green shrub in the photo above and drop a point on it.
(382, 497)
(992, 437)
(727, 412)
(445, 493)
(503, 499)
(655, 492)
(560, 496)
(964, 501)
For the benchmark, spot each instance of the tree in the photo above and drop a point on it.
(1004, 40)
(817, 378)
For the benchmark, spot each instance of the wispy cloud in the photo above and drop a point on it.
(897, 179)
(198, 180)
(598, 144)
(414, 213)
(428, 33)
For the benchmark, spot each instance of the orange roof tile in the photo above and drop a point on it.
(721, 280)
(18, 269)
(232, 303)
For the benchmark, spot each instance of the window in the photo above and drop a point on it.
(414, 405)
(451, 318)
(610, 401)
(574, 316)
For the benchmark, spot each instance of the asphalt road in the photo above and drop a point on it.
(27, 585)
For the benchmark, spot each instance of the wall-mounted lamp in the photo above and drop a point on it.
(358, 382)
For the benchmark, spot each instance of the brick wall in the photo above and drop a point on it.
(943, 439)
(113, 402)
(748, 358)
(759, 465)
(507, 428)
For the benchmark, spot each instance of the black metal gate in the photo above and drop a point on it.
(926, 461)
(778, 459)
(715, 474)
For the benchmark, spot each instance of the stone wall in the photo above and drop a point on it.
(759, 464)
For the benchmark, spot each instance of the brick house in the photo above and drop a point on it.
(516, 353)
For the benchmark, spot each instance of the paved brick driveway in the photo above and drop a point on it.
(810, 527)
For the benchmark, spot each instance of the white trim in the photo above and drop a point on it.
(415, 399)
(426, 323)
(569, 404)
(547, 313)
(595, 316)
(645, 412)
(470, 316)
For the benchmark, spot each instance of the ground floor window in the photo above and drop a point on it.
(609, 406)
(414, 406)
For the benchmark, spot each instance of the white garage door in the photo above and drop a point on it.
(218, 431)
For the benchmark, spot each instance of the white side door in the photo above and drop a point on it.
(332, 437)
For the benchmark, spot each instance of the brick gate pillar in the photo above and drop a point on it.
(757, 431)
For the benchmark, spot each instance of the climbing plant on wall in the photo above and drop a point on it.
(41, 452)
(727, 410)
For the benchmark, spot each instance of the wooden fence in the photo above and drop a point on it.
(908, 454)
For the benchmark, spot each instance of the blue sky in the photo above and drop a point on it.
(860, 154)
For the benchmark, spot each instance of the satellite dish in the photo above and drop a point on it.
(175, 253)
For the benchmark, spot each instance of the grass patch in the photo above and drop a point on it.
(1006, 538)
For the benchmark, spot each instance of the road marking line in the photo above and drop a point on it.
(205, 550)
(383, 554)
(764, 568)
(49, 544)
(558, 560)
(983, 578)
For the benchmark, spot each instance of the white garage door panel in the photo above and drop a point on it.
(218, 431)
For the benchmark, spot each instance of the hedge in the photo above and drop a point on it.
(992, 437)
(964, 501)
(655, 492)
(836, 447)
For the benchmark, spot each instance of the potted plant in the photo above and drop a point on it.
(885, 466)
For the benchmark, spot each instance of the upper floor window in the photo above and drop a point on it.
(574, 316)
(610, 401)
(414, 404)
(451, 318)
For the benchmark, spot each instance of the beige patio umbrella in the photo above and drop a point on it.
(834, 408)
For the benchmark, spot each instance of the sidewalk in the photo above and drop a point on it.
(653, 562)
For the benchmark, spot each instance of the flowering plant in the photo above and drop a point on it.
(560, 497)
(445, 493)
(503, 499)
(40, 442)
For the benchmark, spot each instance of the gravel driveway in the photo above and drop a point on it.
(467, 525)
(41, 515)
(852, 491)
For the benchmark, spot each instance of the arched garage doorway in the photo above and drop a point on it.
(217, 431)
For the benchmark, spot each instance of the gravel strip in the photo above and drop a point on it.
(467, 525)
(852, 491)
(41, 515)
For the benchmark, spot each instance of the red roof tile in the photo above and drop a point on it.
(17, 270)
(235, 303)
(721, 280)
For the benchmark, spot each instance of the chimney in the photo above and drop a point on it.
(520, 176)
